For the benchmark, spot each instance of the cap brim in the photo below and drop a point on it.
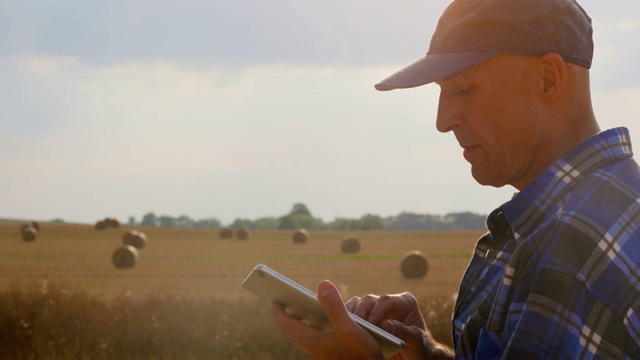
(430, 68)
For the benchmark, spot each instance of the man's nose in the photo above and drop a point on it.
(447, 118)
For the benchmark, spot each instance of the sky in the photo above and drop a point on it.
(239, 109)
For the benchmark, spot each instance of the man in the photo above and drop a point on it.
(557, 274)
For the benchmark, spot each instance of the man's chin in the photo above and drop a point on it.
(485, 179)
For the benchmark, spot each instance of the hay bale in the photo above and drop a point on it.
(35, 225)
(414, 265)
(135, 238)
(243, 234)
(28, 232)
(107, 223)
(101, 225)
(125, 257)
(226, 233)
(300, 236)
(350, 245)
(111, 222)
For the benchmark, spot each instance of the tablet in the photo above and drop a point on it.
(303, 304)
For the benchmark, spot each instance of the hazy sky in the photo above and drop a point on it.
(242, 108)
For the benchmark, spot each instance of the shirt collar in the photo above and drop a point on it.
(529, 205)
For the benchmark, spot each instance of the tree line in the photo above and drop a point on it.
(301, 217)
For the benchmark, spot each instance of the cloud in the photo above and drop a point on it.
(229, 33)
(615, 55)
(617, 108)
(132, 137)
(236, 109)
(247, 33)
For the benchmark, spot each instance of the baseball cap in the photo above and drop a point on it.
(471, 31)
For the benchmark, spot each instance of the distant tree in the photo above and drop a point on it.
(208, 223)
(466, 221)
(167, 221)
(343, 224)
(57, 220)
(300, 209)
(370, 222)
(242, 223)
(297, 221)
(289, 222)
(366, 222)
(300, 217)
(412, 221)
(185, 221)
(267, 223)
(149, 219)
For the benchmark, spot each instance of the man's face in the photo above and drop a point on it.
(495, 111)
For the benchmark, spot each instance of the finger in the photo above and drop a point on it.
(352, 303)
(365, 305)
(413, 337)
(331, 301)
(384, 308)
(400, 307)
(350, 339)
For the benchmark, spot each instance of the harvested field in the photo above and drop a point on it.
(197, 262)
(169, 305)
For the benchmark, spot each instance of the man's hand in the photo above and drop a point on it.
(400, 315)
(348, 339)
(401, 307)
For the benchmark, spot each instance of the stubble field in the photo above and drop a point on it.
(195, 266)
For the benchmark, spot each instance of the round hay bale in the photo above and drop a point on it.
(300, 236)
(125, 256)
(243, 234)
(414, 265)
(226, 233)
(111, 222)
(350, 245)
(101, 225)
(35, 225)
(135, 238)
(28, 233)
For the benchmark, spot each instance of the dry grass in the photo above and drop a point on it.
(191, 276)
(43, 321)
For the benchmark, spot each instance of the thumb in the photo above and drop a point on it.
(331, 301)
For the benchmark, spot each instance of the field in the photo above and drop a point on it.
(195, 265)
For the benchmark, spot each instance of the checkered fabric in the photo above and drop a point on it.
(557, 276)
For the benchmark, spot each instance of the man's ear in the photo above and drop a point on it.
(554, 75)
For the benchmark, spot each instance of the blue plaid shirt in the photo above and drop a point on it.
(556, 276)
